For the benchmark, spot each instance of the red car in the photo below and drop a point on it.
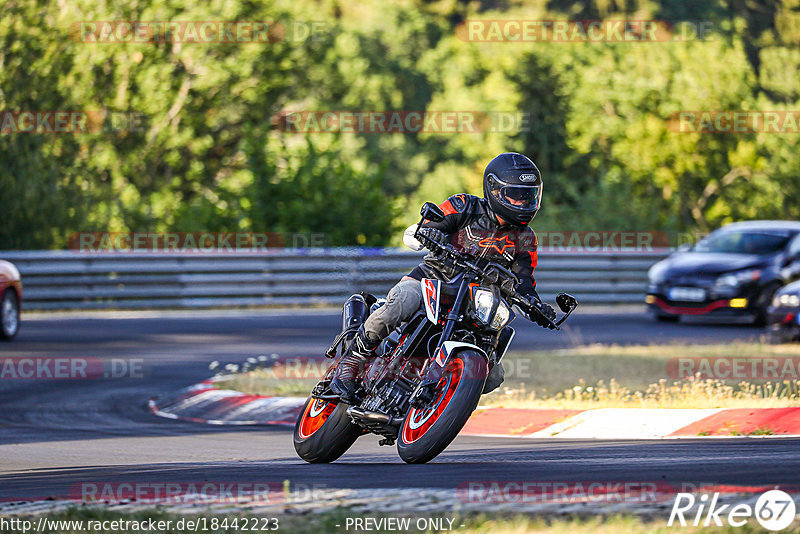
(10, 300)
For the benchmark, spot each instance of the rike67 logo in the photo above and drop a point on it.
(774, 510)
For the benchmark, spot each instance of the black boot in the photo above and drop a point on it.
(359, 352)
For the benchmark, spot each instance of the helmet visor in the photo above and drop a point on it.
(525, 198)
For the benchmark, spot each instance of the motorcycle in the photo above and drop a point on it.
(428, 375)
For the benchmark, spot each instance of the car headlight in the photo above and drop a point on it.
(737, 279)
(656, 273)
(484, 300)
(787, 300)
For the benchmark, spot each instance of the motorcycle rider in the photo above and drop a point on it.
(494, 228)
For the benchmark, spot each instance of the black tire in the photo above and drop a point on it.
(328, 442)
(662, 318)
(778, 335)
(425, 442)
(9, 304)
(763, 302)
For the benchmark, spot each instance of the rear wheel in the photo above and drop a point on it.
(426, 433)
(779, 334)
(9, 314)
(324, 431)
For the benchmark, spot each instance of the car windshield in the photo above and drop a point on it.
(743, 242)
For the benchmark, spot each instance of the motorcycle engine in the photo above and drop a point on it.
(388, 391)
(390, 398)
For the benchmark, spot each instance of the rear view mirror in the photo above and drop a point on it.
(566, 302)
(432, 212)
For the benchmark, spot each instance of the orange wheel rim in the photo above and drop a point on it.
(314, 416)
(418, 422)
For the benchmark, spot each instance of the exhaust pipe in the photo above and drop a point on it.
(372, 418)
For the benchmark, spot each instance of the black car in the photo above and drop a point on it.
(784, 314)
(734, 271)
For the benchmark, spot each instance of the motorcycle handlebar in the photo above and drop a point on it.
(462, 261)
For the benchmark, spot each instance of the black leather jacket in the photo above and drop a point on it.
(472, 228)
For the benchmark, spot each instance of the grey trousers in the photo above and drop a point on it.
(402, 302)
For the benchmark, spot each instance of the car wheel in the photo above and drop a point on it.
(778, 335)
(763, 302)
(9, 315)
(661, 318)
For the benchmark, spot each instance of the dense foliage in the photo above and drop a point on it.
(207, 155)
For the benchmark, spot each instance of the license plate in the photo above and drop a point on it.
(687, 294)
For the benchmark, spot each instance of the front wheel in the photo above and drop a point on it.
(426, 433)
(324, 431)
(762, 304)
(9, 315)
(663, 318)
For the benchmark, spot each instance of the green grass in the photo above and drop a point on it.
(756, 432)
(335, 521)
(269, 382)
(635, 366)
(601, 376)
(597, 376)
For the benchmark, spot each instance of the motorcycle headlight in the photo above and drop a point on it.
(484, 300)
(737, 279)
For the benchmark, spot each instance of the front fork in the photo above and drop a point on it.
(434, 370)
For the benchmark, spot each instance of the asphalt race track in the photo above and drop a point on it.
(55, 434)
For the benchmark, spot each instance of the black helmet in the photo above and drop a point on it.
(512, 185)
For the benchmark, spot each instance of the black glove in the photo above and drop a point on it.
(546, 310)
(434, 234)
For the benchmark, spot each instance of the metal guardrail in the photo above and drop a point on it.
(75, 280)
